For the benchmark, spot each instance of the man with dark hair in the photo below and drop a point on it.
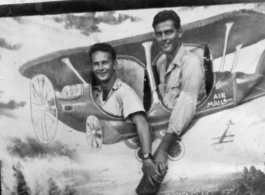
(181, 86)
(167, 15)
(103, 47)
(119, 99)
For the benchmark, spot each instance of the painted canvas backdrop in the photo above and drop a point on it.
(66, 166)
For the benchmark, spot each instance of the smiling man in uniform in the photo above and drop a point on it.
(119, 99)
(181, 85)
(181, 76)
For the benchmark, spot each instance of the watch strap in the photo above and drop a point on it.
(146, 156)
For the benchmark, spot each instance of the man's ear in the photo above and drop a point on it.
(180, 32)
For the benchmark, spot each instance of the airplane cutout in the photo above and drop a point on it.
(61, 83)
(221, 139)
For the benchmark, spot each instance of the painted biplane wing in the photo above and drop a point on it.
(210, 31)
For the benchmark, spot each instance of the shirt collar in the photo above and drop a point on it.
(115, 86)
(179, 55)
(177, 59)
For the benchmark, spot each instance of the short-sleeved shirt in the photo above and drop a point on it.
(182, 87)
(121, 100)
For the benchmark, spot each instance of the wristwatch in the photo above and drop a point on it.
(147, 156)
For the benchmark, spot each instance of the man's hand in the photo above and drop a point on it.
(161, 155)
(150, 170)
(161, 159)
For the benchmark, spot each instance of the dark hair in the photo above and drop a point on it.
(167, 15)
(103, 47)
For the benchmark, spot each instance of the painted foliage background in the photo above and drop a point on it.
(67, 166)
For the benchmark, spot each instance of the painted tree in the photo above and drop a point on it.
(70, 190)
(37, 188)
(21, 184)
(252, 182)
(53, 188)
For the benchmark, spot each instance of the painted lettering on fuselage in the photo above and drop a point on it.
(219, 99)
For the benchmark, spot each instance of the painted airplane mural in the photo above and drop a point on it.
(61, 82)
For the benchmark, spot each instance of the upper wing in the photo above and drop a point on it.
(248, 28)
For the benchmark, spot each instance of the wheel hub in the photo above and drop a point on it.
(94, 133)
(44, 108)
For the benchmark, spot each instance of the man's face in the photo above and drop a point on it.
(103, 66)
(167, 36)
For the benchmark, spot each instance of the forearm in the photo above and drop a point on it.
(182, 113)
(161, 155)
(167, 142)
(145, 138)
(143, 132)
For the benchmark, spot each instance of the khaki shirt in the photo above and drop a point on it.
(182, 87)
(121, 101)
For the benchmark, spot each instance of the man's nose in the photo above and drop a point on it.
(164, 37)
(100, 66)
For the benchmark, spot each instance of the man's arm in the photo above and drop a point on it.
(133, 109)
(192, 81)
(142, 126)
(162, 152)
(183, 110)
(149, 167)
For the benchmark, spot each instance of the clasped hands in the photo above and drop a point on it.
(156, 169)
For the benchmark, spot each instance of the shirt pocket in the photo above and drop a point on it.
(173, 87)
(171, 96)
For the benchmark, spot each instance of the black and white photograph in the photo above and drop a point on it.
(148, 101)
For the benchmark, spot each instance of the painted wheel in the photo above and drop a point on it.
(44, 112)
(93, 133)
(132, 143)
(138, 154)
(177, 151)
